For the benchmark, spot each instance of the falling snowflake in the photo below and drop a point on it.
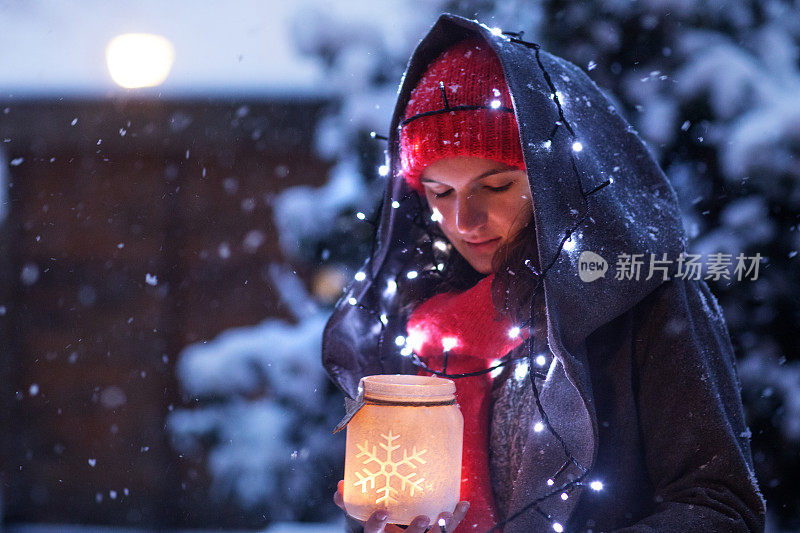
(389, 469)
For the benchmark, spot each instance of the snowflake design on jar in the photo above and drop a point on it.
(389, 469)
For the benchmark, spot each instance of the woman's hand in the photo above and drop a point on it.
(376, 523)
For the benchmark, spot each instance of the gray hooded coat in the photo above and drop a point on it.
(641, 383)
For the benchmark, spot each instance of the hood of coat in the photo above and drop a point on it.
(594, 188)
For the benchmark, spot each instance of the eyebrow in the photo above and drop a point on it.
(480, 177)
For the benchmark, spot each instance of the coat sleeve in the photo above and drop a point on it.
(696, 441)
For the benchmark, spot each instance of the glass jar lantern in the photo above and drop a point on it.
(403, 451)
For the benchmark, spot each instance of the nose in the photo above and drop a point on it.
(470, 213)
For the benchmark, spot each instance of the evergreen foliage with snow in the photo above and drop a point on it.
(263, 418)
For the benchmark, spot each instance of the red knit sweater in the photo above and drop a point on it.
(467, 323)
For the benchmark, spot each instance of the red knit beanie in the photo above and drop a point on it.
(472, 76)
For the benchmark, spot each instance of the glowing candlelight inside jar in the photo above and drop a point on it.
(403, 451)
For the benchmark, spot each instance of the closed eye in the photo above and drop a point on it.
(501, 188)
(442, 194)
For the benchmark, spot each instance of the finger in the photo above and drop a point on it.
(459, 512)
(376, 522)
(419, 524)
(338, 496)
(338, 499)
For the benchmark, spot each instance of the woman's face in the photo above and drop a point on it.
(479, 204)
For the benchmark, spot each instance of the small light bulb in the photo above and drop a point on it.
(384, 319)
(360, 276)
(596, 485)
(564, 496)
(547, 144)
(538, 427)
(395, 204)
(521, 370)
(411, 274)
(442, 522)
(383, 170)
(577, 146)
(399, 340)
(513, 332)
(352, 301)
(406, 351)
(360, 216)
(558, 528)
(496, 32)
(496, 372)
(440, 245)
(448, 343)
(440, 267)
(541, 360)
(391, 286)
(416, 340)
(550, 482)
(495, 104)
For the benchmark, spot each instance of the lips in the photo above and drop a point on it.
(483, 245)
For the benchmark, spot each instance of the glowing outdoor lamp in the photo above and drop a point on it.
(403, 451)
(139, 59)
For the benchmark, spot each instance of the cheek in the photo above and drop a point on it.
(447, 225)
(441, 214)
(514, 212)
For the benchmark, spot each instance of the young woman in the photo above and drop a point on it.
(592, 401)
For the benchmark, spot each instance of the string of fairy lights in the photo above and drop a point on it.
(526, 364)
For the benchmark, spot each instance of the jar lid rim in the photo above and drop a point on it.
(407, 386)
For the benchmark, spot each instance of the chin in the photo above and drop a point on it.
(481, 263)
(482, 267)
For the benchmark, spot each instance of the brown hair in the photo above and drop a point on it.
(514, 281)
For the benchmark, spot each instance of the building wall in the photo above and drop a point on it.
(135, 229)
